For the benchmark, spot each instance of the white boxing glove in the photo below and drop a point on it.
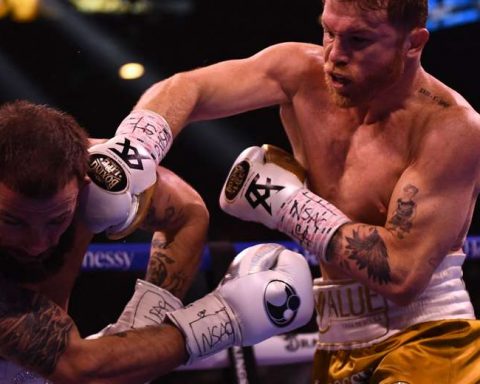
(123, 176)
(148, 129)
(260, 181)
(148, 306)
(266, 291)
(266, 185)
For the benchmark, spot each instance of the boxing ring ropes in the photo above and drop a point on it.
(290, 348)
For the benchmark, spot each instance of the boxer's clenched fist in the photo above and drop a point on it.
(266, 291)
(266, 185)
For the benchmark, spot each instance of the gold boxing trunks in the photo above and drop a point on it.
(364, 338)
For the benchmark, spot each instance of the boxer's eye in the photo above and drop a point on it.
(11, 221)
(360, 41)
(58, 220)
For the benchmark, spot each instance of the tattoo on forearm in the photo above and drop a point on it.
(155, 220)
(34, 330)
(402, 220)
(335, 249)
(157, 270)
(369, 252)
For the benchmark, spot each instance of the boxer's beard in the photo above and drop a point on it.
(370, 87)
(17, 266)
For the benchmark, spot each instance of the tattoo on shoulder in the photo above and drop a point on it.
(33, 330)
(437, 99)
(402, 220)
(367, 249)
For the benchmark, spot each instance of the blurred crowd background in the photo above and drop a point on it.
(67, 53)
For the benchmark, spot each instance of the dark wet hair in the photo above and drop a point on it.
(405, 14)
(41, 149)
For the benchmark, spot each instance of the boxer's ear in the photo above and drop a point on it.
(416, 40)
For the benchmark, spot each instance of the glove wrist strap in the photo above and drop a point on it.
(208, 324)
(150, 129)
(148, 306)
(311, 221)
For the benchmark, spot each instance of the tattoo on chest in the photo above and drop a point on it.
(33, 330)
(157, 270)
(437, 99)
(402, 220)
(367, 249)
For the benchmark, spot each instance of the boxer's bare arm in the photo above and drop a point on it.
(428, 213)
(95, 141)
(39, 335)
(179, 219)
(267, 78)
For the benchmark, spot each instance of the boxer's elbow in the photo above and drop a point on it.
(405, 288)
(193, 211)
(403, 296)
(199, 215)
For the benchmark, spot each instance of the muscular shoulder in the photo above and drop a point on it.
(294, 52)
(449, 139)
(455, 126)
(291, 63)
(293, 56)
(443, 118)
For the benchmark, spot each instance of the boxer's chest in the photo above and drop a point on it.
(354, 167)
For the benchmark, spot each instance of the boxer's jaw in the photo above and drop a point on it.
(35, 234)
(21, 268)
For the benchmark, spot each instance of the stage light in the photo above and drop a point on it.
(21, 11)
(4, 8)
(131, 71)
(112, 6)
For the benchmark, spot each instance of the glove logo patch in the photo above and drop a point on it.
(130, 155)
(259, 194)
(281, 302)
(106, 173)
(236, 179)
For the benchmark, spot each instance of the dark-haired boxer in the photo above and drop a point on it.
(49, 211)
(392, 177)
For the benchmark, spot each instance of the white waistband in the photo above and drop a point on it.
(350, 315)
